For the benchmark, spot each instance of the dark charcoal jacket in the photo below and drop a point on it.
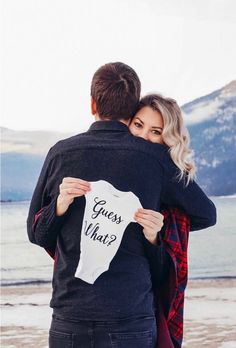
(107, 151)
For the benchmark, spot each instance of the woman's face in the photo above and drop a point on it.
(147, 124)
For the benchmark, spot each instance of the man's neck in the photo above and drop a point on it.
(126, 122)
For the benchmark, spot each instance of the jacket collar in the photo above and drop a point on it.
(109, 126)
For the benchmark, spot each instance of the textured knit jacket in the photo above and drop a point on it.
(108, 151)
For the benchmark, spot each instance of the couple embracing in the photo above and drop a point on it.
(113, 206)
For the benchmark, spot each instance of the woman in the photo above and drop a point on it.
(158, 120)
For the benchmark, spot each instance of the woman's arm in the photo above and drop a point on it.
(191, 199)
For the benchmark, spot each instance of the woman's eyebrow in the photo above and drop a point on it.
(157, 127)
(139, 119)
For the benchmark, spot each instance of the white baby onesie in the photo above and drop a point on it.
(108, 211)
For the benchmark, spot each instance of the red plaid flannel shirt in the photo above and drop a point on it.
(170, 295)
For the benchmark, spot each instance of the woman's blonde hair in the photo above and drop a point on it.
(175, 135)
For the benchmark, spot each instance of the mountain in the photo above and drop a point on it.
(211, 121)
(31, 142)
(22, 156)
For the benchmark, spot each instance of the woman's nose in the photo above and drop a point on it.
(144, 135)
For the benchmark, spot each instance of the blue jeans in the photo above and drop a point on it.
(130, 333)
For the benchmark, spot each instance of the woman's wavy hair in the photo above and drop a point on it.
(175, 134)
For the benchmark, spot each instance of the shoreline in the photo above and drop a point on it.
(38, 283)
(209, 314)
(9, 200)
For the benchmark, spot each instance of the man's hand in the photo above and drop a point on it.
(69, 189)
(152, 222)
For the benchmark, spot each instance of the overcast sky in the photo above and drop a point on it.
(51, 48)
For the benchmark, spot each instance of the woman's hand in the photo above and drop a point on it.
(69, 189)
(152, 222)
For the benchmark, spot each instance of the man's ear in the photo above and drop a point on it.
(93, 106)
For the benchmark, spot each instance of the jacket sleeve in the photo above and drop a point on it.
(42, 223)
(191, 199)
(159, 261)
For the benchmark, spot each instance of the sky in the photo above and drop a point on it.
(183, 49)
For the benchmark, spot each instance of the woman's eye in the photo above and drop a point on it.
(156, 132)
(138, 125)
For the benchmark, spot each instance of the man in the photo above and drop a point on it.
(117, 307)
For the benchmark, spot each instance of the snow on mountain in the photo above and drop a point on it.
(202, 111)
(207, 107)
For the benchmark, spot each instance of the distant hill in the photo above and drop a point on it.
(211, 121)
(22, 156)
(31, 142)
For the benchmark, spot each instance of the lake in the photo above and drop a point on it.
(212, 252)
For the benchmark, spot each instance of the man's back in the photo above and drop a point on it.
(106, 152)
(110, 153)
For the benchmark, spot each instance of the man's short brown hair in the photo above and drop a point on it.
(116, 90)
